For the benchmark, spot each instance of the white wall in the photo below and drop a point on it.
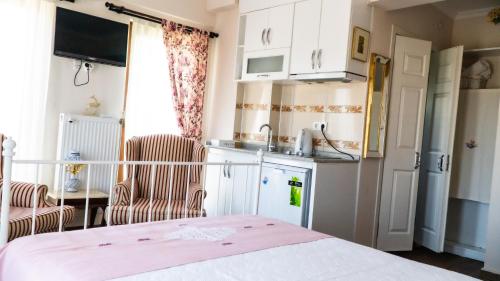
(476, 33)
(220, 105)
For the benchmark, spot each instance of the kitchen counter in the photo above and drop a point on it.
(319, 158)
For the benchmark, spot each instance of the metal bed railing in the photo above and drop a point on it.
(9, 163)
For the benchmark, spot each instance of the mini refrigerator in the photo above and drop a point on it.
(284, 193)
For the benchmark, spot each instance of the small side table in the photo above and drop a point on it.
(97, 199)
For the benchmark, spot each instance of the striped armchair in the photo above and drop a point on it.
(160, 148)
(21, 208)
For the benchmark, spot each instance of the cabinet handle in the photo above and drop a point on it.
(229, 171)
(313, 56)
(441, 163)
(417, 160)
(263, 75)
(268, 36)
(225, 173)
(320, 57)
(448, 163)
(262, 37)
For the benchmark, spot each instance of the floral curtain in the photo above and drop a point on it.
(187, 57)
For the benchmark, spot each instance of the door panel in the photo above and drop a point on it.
(439, 137)
(305, 36)
(255, 31)
(404, 139)
(280, 27)
(334, 35)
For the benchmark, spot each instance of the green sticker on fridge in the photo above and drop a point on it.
(295, 191)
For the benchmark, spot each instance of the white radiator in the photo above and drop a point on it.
(97, 139)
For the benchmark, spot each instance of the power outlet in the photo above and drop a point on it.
(317, 125)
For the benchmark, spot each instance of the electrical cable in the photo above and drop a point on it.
(333, 146)
(77, 72)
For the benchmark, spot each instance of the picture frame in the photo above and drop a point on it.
(360, 44)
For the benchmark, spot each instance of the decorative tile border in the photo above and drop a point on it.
(341, 144)
(302, 108)
(345, 108)
(252, 106)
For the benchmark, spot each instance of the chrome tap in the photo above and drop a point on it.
(270, 145)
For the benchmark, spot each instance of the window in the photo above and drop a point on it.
(149, 102)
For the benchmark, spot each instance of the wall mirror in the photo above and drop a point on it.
(376, 107)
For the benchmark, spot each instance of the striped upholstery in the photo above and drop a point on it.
(46, 220)
(21, 210)
(185, 180)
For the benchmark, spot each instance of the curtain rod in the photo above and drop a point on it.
(125, 11)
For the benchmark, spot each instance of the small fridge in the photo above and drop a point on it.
(284, 193)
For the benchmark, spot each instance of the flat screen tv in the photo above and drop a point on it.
(89, 38)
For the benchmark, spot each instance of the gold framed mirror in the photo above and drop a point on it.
(376, 107)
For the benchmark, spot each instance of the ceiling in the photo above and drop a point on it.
(454, 8)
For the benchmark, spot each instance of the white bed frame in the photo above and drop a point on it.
(9, 162)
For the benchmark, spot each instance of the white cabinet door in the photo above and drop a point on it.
(241, 185)
(215, 182)
(437, 148)
(404, 141)
(255, 30)
(305, 37)
(334, 36)
(279, 32)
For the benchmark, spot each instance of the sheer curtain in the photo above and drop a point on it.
(26, 27)
(149, 104)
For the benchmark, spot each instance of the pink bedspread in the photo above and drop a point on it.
(107, 253)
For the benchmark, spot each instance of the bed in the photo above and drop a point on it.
(219, 248)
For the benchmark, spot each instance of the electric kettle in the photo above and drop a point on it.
(303, 143)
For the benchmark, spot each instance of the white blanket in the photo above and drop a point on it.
(327, 259)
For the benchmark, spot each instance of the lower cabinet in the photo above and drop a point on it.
(231, 190)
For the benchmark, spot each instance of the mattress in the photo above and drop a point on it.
(223, 248)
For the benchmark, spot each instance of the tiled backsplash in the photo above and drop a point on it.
(289, 108)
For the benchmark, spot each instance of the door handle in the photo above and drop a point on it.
(229, 171)
(313, 56)
(320, 57)
(224, 169)
(268, 36)
(441, 163)
(262, 37)
(417, 160)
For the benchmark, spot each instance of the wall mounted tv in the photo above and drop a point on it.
(89, 38)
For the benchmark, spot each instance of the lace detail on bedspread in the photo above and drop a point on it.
(202, 233)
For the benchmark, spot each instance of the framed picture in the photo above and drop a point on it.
(360, 44)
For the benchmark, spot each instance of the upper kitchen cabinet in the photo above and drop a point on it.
(269, 28)
(247, 6)
(322, 40)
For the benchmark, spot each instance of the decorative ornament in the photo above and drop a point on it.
(494, 16)
(92, 107)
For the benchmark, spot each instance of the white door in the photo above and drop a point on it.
(255, 30)
(305, 37)
(437, 148)
(404, 141)
(334, 35)
(279, 34)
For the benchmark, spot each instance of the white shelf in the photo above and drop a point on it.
(486, 52)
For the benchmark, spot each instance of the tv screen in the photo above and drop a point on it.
(90, 38)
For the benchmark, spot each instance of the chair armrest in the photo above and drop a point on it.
(22, 194)
(196, 196)
(199, 153)
(122, 191)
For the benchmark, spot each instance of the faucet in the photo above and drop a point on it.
(270, 145)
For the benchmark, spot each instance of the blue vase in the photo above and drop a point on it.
(72, 184)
